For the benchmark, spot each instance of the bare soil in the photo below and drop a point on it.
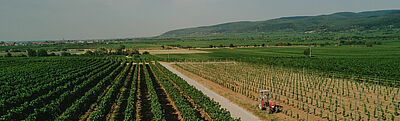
(143, 111)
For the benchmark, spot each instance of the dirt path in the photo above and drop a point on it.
(143, 105)
(234, 109)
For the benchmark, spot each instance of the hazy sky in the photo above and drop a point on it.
(91, 19)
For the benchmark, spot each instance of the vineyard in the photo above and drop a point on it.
(305, 95)
(80, 88)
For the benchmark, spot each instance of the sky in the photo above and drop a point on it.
(106, 19)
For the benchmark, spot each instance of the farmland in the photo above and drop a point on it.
(345, 60)
(302, 93)
(348, 82)
(98, 88)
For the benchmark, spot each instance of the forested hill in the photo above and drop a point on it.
(337, 22)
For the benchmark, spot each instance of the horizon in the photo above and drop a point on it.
(32, 21)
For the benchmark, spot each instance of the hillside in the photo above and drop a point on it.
(337, 22)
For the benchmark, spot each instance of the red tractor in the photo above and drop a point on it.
(267, 103)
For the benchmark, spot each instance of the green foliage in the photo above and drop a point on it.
(8, 54)
(210, 106)
(41, 53)
(188, 113)
(31, 52)
(45, 101)
(155, 104)
(65, 54)
(130, 110)
(81, 104)
(107, 101)
(146, 53)
(307, 52)
(346, 61)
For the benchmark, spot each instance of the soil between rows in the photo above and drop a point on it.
(171, 114)
(144, 104)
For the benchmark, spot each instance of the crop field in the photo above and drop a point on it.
(98, 88)
(305, 94)
(360, 61)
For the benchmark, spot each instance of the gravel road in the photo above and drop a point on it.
(236, 111)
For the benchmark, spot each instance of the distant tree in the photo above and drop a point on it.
(263, 45)
(284, 44)
(121, 46)
(251, 38)
(41, 53)
(88, 52)
(342, 42)
(14, 50)
(65, 54)
(120, 50)
(307, 52)
(189, 47)
(134, 52)
(211, 46)
(31, 52)
(145, 53)
(231, 45)
(162, 46)
(8, 54)
(221, 45)
(21, 55)
(369, 44)
(100, 51)
(52, 54)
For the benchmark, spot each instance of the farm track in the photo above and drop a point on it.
(117, 110)
(143, 105)
(200, 113)
(85, 117)
(170, 111)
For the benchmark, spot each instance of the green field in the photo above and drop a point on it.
(382, 62)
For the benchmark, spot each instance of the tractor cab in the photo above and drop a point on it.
(264, 98)
(266, 102)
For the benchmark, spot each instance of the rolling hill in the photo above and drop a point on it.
(337, 22)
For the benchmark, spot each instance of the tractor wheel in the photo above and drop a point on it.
(268, 109)
(273, 110)
(261, 107)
